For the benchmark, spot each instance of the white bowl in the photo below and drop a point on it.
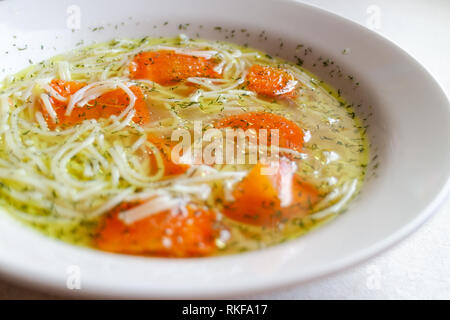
(409, 126)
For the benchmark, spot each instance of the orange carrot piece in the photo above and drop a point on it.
(166, 147)
(65, 89)
(110, 103)
(258, 197)
(114, 102)
(290, 134)
(185, 234)
(271, 82)
(255, 200)
(168, 67)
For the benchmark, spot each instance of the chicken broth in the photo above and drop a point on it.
(90, 148)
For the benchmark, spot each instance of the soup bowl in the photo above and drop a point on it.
(405, 112)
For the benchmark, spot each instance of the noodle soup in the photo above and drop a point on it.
(176, 147)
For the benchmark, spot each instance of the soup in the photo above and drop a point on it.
(175, 147)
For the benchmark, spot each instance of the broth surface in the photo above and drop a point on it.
(67, 177)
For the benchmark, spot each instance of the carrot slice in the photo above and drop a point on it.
(186, 234)
(108, 104)
(168, 68)
(270, 82)
(290, 134)
(171, 167)
(267, 199)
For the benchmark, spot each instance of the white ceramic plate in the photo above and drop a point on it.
(409, 126)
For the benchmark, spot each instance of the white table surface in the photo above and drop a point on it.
(418, 267)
